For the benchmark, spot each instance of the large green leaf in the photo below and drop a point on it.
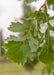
(18, 27)
(18, 51)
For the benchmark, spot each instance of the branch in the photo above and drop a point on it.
(43, 5)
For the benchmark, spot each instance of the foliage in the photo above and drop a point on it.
(31, 42)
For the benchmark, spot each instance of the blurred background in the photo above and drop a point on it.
(13, 11)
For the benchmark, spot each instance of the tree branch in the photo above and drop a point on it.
(43, 5)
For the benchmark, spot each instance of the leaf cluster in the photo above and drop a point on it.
(23, 49)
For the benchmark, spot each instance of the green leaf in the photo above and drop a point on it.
(33, 43)
(18, 27)
(14, 38)
(46, 56)
(47, 52)
(18, 51)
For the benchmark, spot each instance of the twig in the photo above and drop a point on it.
(43, 5)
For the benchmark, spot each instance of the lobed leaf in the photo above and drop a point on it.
(18, 51)
(18, 27)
